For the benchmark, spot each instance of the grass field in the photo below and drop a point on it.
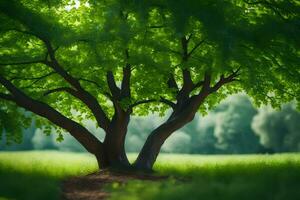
(37, 175)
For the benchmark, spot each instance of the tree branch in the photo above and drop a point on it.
(83, 95)
(189, 37)
(88, 140)
(195, 48)
(56, 67)
(172, 83)
(187, 80)
(184, 44)
(162, 100)
(224, 80)
(33, 78)
(198, 84)
(156, 26)
(142, 102)
(23, 62)
(6, 97)
(24, 32)
(167, 102)
(114, 89)
(89, 81)
(61, 89)
(125, 85)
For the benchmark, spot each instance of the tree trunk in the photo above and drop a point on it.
(181, 116)
(156, 139)
(106, 160)
(114, 155)
(149, 153)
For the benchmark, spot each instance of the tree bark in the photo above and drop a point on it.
(156, 139)
(179, 118)
(114, 142)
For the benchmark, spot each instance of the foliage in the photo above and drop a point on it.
(278, 130)
(233, 126)
(92, 37)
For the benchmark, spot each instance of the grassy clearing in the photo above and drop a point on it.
(36, 175)
(265, 177)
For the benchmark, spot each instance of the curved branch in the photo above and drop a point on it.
(142, 102)
(167, 102)
(83, 95)
(89, 81)
(33, 78)
(195, 48)
(87, 139)
(61, 89)
(23, 62)
(162, 100)
(224, 80)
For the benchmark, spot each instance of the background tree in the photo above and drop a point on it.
(107, 60)
(233, 126)
(279, 131)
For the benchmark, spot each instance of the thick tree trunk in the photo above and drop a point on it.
(156, 139)
(106, 160)
(179, 118)
(149, 153)
(113, 154)
(112, 159)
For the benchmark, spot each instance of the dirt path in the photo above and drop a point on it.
(90, 187)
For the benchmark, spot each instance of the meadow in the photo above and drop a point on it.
(38, 175)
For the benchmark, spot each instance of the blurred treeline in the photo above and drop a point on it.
(235, 126)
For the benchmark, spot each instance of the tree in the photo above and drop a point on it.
(109, 60)
(279, 131)
(233, 126)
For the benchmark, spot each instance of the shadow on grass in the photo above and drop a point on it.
(27, 186)
(37, 175)
(230, 182)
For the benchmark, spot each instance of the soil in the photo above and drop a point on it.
(91, 187)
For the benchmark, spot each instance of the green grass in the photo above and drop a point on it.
(36, 175)
(247, 177)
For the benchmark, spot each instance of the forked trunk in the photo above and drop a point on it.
(108, 160)
(113, 154)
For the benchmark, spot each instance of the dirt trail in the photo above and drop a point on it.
(90, 187)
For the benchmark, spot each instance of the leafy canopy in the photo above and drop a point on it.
(261, 38)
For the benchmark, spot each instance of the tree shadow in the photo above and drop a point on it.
(247, 182)
(28, 186)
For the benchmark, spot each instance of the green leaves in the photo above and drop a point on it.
(91, 37)
(12, 122)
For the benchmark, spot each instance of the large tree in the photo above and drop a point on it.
(107, 60)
